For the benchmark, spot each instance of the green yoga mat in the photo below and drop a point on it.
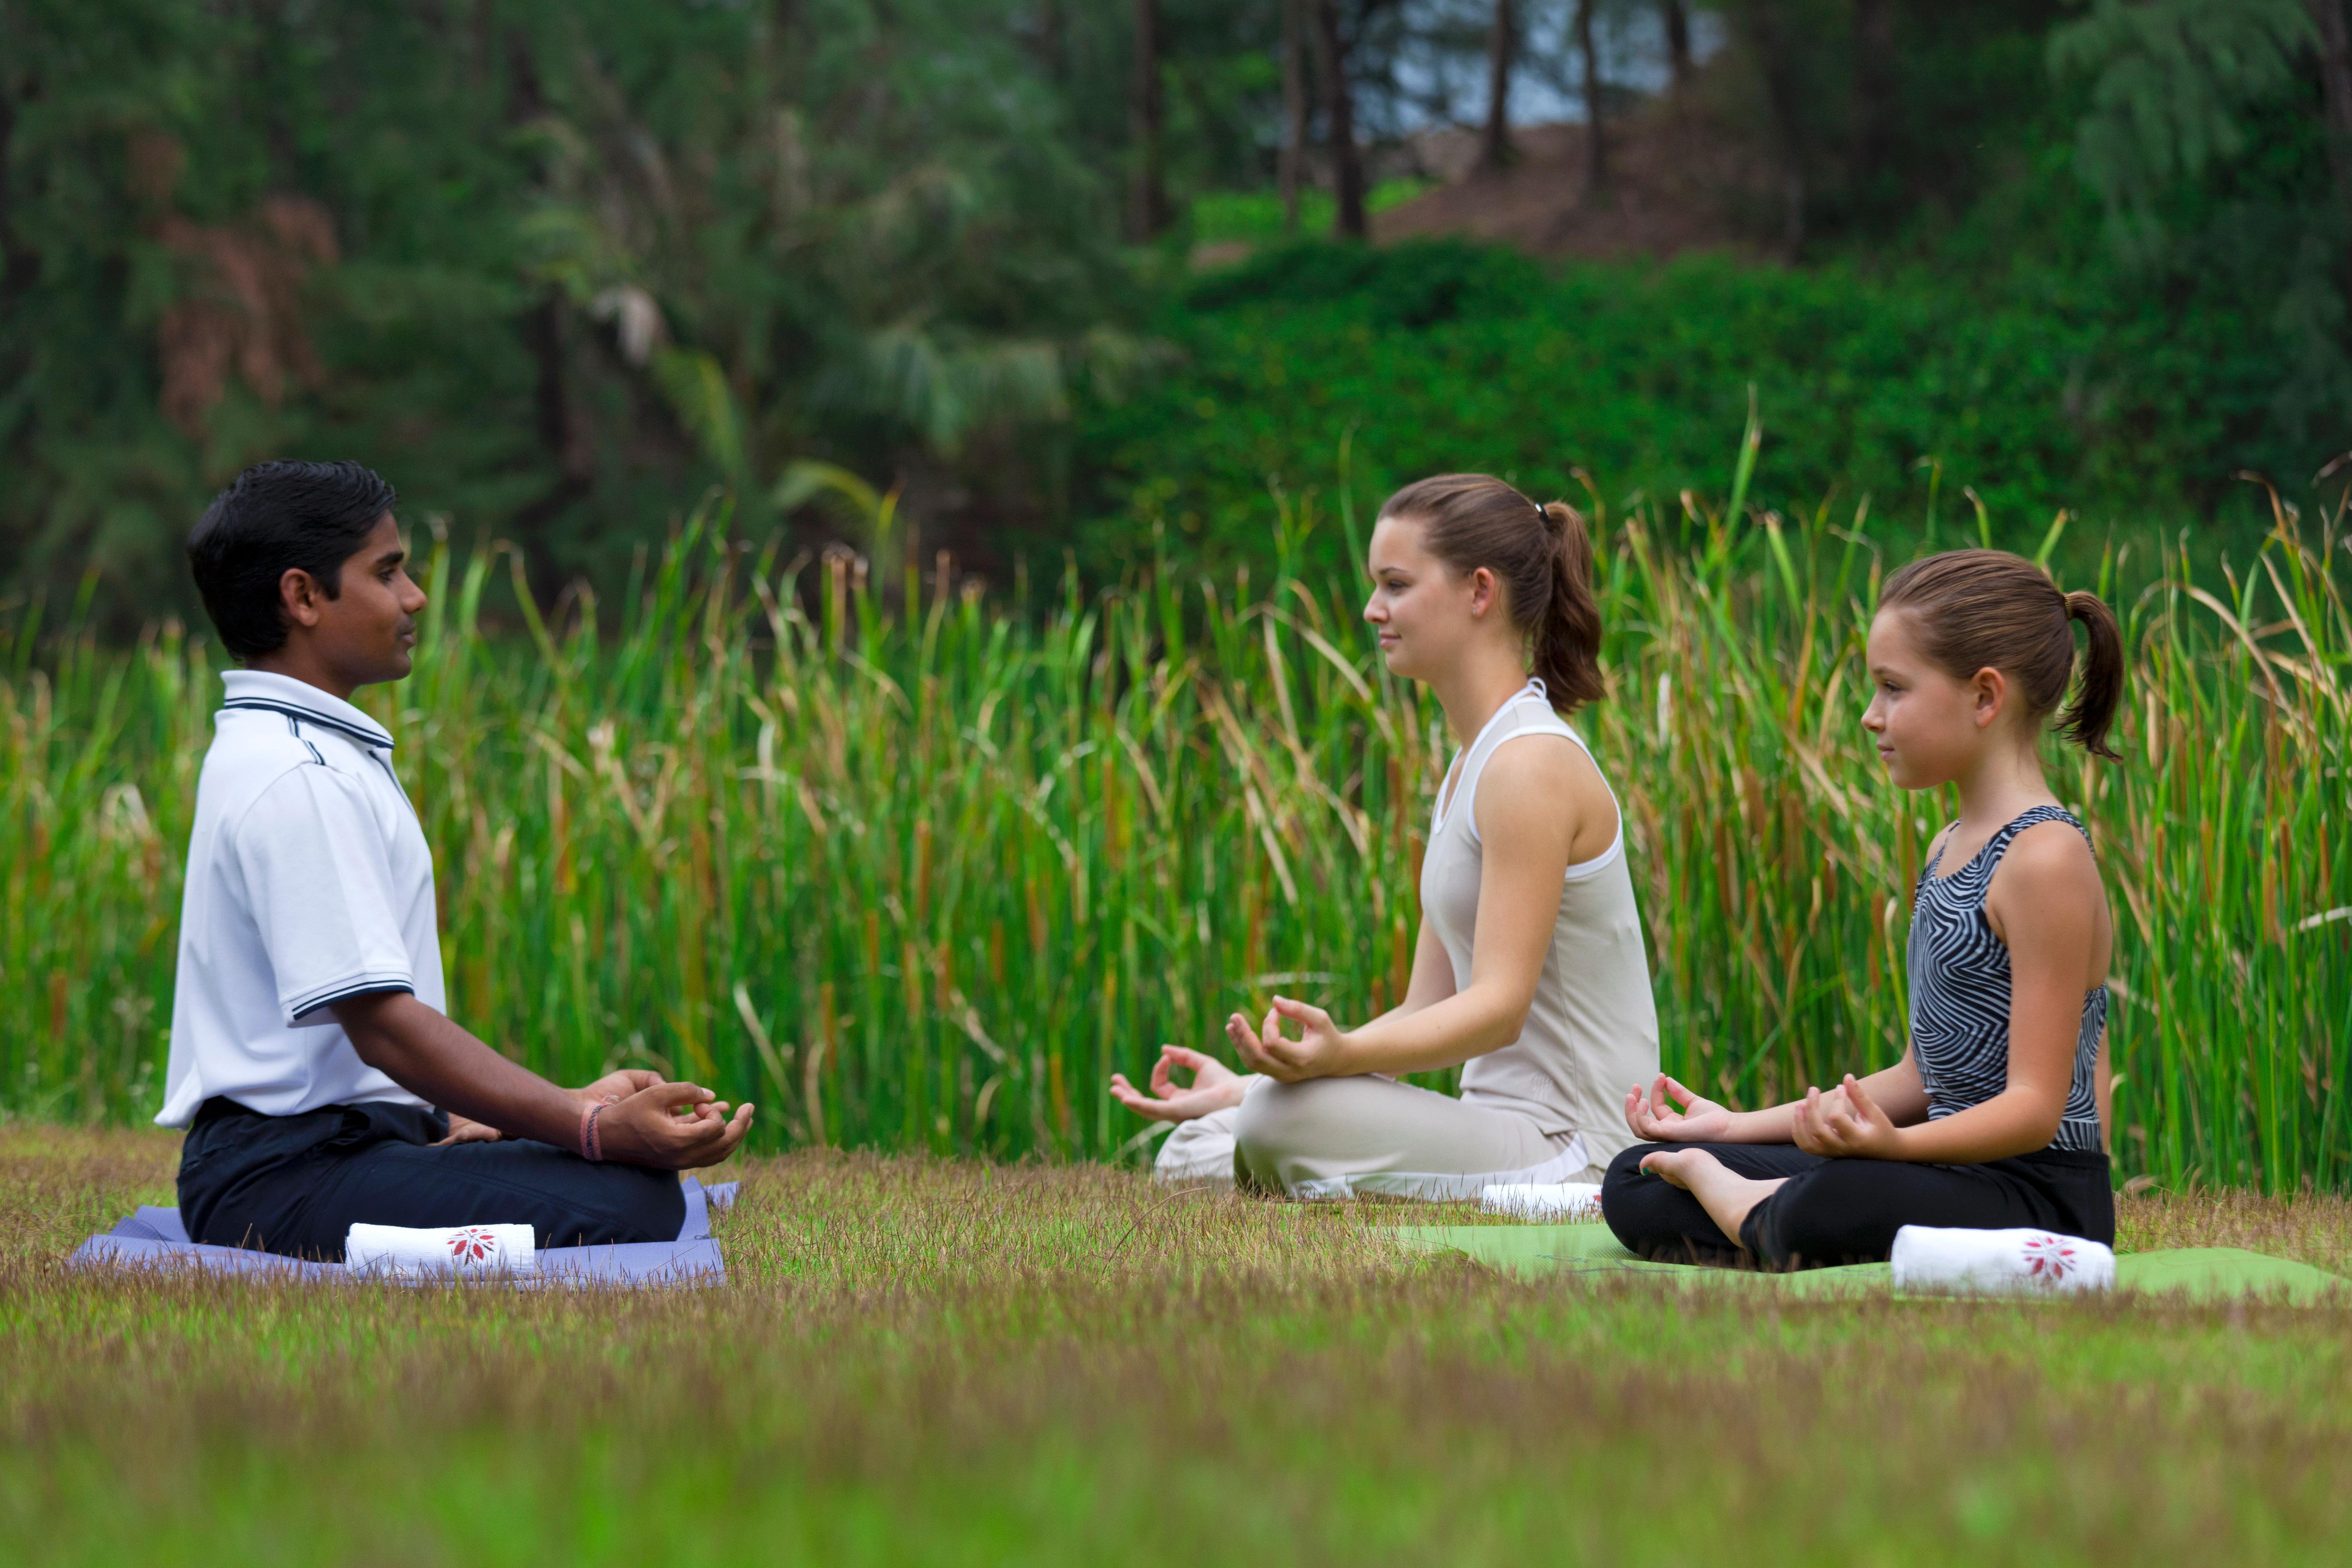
(1529, 1251)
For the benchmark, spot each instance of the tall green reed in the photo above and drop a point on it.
(917, 869)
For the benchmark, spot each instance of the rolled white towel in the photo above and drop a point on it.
(1544, 1200)
(1999, 1262)
(456, 1252)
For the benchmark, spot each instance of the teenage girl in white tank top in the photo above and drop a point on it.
(1530, 971)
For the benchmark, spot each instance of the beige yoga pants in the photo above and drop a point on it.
(1331, 1137)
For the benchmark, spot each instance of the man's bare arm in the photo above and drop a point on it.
(425, 1052)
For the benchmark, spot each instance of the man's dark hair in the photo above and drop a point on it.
(276, 518)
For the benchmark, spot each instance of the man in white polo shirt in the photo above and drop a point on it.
(309, 1050)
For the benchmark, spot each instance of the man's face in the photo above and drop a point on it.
(364, 633)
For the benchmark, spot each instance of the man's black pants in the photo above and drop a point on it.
(1847, 1211)
(296, 1184)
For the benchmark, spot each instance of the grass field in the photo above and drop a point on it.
(946, 1361)
(916, 864)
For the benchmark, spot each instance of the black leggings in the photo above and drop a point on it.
(296, 1184)
(1847, 1211)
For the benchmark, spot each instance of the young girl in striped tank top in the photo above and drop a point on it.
(1995, 1115)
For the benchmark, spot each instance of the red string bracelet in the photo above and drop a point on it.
(591, 1147)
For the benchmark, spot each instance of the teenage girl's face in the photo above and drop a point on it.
(1930, 728)
(1424, 612)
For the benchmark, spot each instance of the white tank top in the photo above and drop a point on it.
(1592, 1030)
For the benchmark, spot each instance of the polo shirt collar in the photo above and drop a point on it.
(261, 688)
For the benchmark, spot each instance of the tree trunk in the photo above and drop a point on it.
(525, 102)
(1147, 211)
(559, 426)
(1596, 137)
(1294, 111)
(1053, 46)
(1768, 33)
(562, 434)
(15, 265)
(1678, 44)
(1495, 150)
(481, 59)
(2336, 85)
(1873, 91)
(1339, 121)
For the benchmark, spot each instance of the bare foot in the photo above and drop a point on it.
(1725, 1195)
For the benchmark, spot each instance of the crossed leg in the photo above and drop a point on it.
(1723, 1193)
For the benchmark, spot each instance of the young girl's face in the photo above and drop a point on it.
(1422, 610)
(1929, 727)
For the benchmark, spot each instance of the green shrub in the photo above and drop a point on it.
(2044, 392)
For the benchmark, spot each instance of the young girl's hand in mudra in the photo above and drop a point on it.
(1846, 1124)
(1317, 1053)
(1653, 1121)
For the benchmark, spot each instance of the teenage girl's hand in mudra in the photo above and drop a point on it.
(1315, 1053)
(1846, 1124)
(1216, 1087)
(1653, 1121)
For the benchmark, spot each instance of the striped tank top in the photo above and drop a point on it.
(1960, 994)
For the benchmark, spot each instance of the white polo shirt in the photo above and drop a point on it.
(309, 881)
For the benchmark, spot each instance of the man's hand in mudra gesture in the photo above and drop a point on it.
(644, 1121)
(611, 1089)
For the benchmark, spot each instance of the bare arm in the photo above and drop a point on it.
(1541, 806)
(2047, 907)
(2103, 1084)
(428, 1055)
(1666, 1112)
(1216, 1086)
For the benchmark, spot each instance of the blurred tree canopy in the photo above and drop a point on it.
(550, 266)
(559, 267)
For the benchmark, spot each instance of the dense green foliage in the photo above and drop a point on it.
(2039, 392)
(922, 875)
(548, 266)
(558, 268)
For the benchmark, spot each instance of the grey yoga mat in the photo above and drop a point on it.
(155, 1238)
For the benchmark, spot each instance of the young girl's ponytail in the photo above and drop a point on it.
(1568, 638)
(1987, 609)
(1540, 554)
(2101, 689)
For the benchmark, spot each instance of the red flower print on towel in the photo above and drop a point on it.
(2048, 1257)
(472, 1243)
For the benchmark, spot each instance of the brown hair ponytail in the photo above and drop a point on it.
(1541, 555)
(2102, 689)
(1567, 638)
(1987, 609)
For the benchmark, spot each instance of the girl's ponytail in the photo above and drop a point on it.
(2100, 688)
(1566, 655)
(1980, 609)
